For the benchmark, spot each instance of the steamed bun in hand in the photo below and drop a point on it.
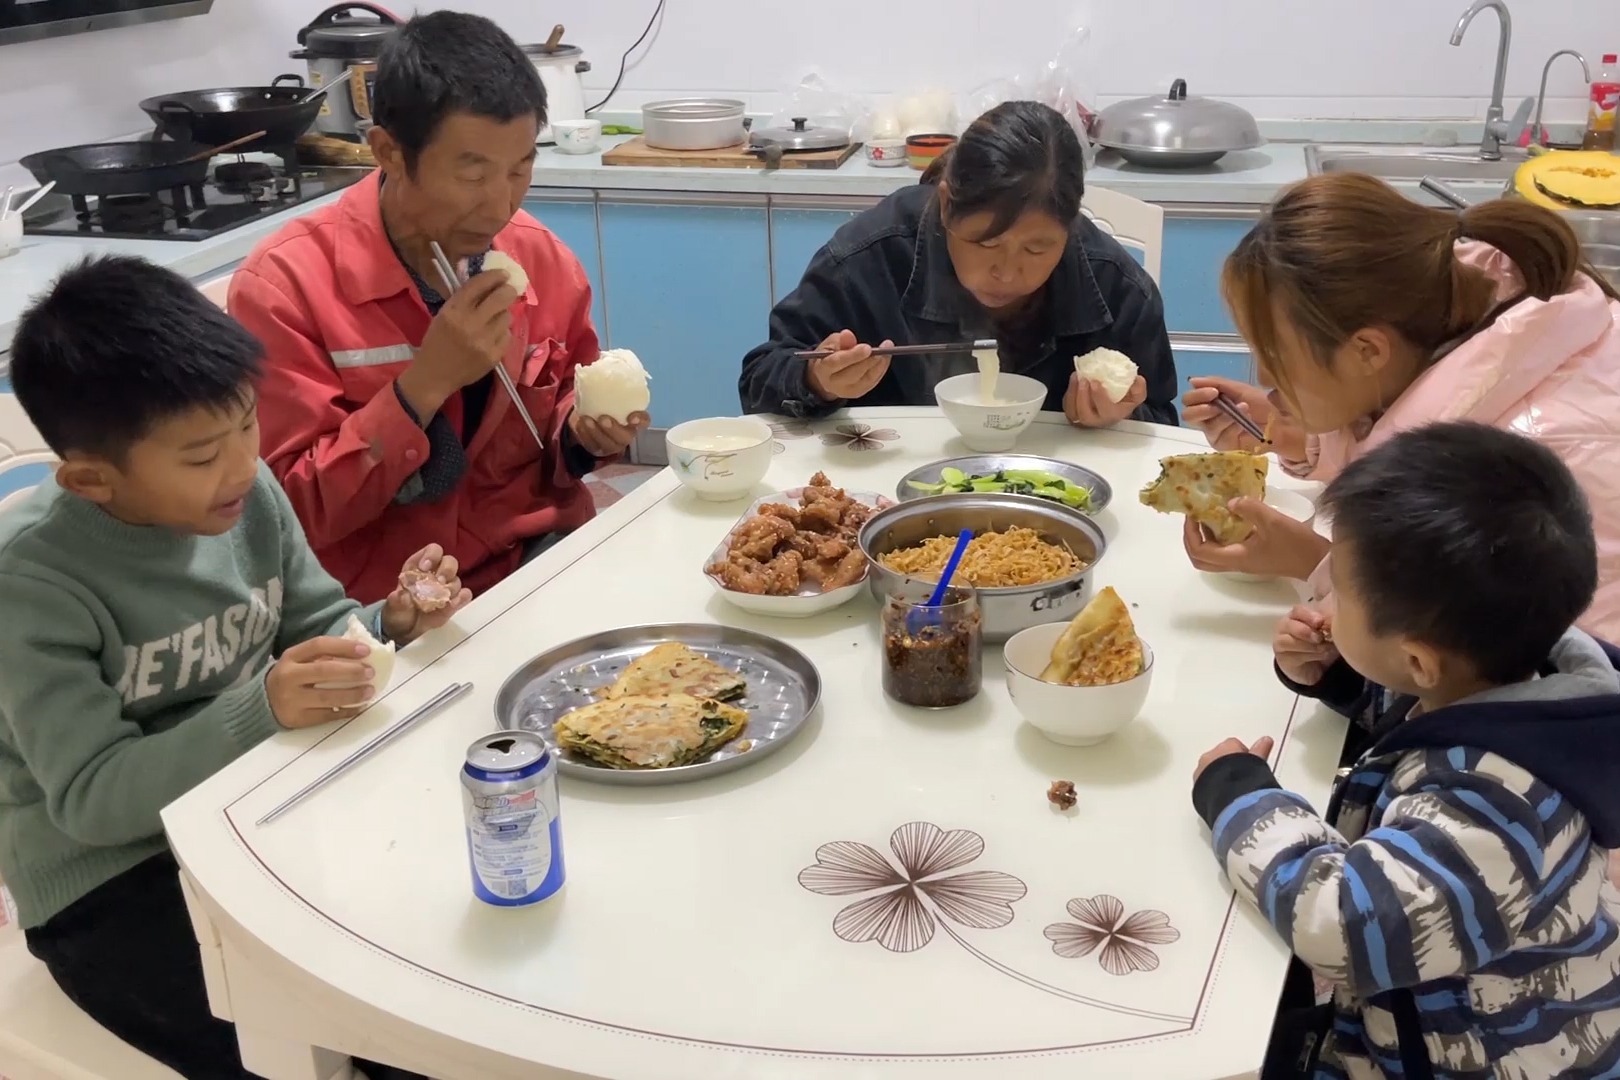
(516, 276)
(1110, 369)
(615, 386)
(381, 659)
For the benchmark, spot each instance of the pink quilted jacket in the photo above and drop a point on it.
(1550, 371)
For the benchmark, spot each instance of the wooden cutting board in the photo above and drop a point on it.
(637, 152)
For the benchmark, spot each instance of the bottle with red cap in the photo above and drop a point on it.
(1602, 105)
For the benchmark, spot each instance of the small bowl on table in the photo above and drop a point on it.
(721, 458)
(886, 153)
(990, 427)
(921, 150)
(1070, 715)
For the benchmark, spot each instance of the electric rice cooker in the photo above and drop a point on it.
(345, 38)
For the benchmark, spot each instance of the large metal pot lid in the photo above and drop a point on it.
(1177, 122)
(802, 135)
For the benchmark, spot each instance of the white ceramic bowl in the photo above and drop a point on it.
(720, 458)
(990, 428)
(1286, 501)
(1071, 715)
(808, 601)
(577, 136)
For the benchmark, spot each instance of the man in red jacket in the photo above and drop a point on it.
(381, 413)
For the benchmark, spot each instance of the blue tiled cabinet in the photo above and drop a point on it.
(800, 228)
(687, 282)
(572, 216)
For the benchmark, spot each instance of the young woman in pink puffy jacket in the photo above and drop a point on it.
(1369, 314)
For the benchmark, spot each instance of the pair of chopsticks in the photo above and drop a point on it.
(452, 282)
(417, 715)
(1241, 419)
(909, 350)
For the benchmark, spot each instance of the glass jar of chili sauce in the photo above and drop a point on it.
(932, 655)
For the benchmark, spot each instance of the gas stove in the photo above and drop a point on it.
(237, 191)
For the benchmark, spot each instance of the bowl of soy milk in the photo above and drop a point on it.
(720, 458)
(988, 408)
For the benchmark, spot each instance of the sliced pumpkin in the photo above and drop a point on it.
(1570, 178)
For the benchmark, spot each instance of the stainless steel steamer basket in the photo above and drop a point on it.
(1006, 611)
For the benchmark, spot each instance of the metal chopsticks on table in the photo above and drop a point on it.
(908, 350)
(416, 716)
(452, 281)
(1242, 420)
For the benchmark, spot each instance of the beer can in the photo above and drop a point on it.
(514, 835)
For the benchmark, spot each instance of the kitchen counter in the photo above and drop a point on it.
(1248, 177)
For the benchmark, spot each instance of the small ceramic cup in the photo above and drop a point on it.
(577, 136)
(11, 234)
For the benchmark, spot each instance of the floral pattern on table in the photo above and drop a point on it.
(903, 902)
(788, 430)
(1124, 940)
(859, 437)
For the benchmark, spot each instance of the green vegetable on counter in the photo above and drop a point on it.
(1036, 482)
(620, 129)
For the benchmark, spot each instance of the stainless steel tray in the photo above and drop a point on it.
(783, 689)
(1102, 492)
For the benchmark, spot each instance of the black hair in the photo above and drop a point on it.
(1470, 539)
(447, 62)
(117, 345)
(1019, 156)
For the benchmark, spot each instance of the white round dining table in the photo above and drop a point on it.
(890, 896)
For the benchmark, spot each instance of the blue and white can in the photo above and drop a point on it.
(514, 834)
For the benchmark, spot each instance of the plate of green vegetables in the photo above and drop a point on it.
(1061, 482)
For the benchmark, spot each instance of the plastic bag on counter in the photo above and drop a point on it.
(823, 106)
(1065, 82)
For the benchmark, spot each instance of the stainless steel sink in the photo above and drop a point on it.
(1409, 164)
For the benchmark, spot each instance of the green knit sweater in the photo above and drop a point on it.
(132, 664)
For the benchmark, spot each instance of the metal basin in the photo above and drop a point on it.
(1413, 163)
(1006, 611)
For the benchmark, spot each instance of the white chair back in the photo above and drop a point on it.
(1132, 222)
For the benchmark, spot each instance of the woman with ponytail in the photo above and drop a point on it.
(1370, 314)
(991, 244)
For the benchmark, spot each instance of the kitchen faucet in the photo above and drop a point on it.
(1496, 128)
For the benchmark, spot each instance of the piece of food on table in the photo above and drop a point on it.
(516, 276)
(1062, 794)
(674, 668)
(1005, 559)
(614, 386)
(1099, 647)
(1201, 486)
(1109, 368)
(381, 659)
(1037, 482)
(426, 591)
(786, 549)
(645, 731)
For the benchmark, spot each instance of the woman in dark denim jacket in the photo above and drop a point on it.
(991, 244)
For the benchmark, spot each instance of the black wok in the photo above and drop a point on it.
(214, 117)
(119, 168)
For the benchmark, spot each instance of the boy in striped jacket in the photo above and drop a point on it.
(1453, 892)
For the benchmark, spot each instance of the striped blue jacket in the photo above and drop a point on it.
(1454, 892)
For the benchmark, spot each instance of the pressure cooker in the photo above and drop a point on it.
(343, 42)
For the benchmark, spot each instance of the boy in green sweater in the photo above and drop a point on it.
(163, 615)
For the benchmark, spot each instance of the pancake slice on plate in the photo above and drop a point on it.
(642, 731)
(674, 668)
